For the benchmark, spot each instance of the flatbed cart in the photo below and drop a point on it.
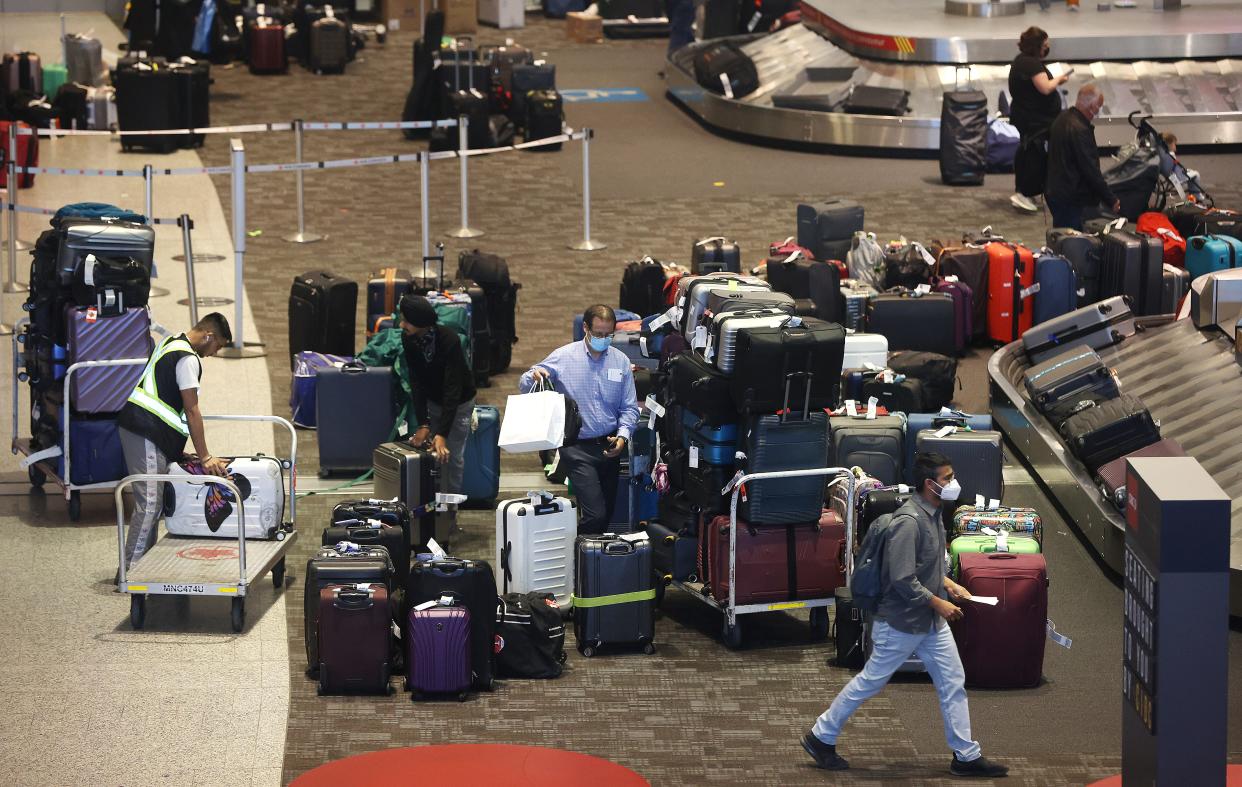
(178, 566)
(41, 464)
(731, 630)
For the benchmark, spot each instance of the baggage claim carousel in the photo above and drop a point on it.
(1180, 66)
(1189, 381)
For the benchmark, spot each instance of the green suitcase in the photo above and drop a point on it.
(1018, 544)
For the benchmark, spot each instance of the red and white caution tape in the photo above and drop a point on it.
(249, 128)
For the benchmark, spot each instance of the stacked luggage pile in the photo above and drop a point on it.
(71, 95)
(89, 283)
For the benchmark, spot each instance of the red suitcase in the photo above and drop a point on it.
(27, 155)
(355, 625)
(438, 652)
(763, 571)
(1011, 271)
(1002, 647)
(1111, 476)
(267, 49)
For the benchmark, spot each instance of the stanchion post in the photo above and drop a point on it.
(424, 208)
(186, 225)
(148, 192)
(14, 242)
(463, 145)
(301, 236)
(587, 244)
(237, 154)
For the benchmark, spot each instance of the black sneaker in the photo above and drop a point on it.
(824, 754)
(980, 768)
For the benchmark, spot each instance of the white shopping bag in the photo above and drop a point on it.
(533, 422)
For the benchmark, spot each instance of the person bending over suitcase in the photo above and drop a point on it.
(158, 417)
(442, 384)
(599, 378)
(915, 607)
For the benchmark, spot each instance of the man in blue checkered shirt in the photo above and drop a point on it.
(598, 377)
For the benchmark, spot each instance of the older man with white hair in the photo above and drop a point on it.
(1075, 181)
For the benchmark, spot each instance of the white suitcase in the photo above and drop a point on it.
(865, 348)
(535, 546)
(722, 346)
(207, 510)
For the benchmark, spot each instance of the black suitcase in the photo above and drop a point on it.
(148, 99)
(545, 117)
(322, 314)
(328, 45)
(977, 460)
(355, 412)
(528, 77)
(779, 443)
(915, 322)
(490, 272)
(1059, 385)
(770, 359)
(702, 389)
(392, 513)
(823, 227)
(819, 282)
(870, 100)
(1132, 265)
(724, 69)
(409, 474)
(937, 373)
(391, 537)
(673, 553)
(193, 81)
(905, 396)
(614, 593)
(329, 567)
(1112, 429)
(703, 485)
(472, 584)
(1083, 252)
(963, 137)
(715, 255)
(847, 632)
(642, 287)
(878, 502)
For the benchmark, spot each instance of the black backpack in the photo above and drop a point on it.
(530, 636)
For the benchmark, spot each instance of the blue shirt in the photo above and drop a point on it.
(603, 388)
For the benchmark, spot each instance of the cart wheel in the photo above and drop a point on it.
(239, 614)
(137, 610)
(732, 635)
(75, 506)
(588, 651)
(819, 624)
(37, 477)
(649, 648)
(278, 574)
(462, 696)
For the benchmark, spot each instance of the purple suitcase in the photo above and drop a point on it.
(963, 309)
(439, 652)
(128, 335)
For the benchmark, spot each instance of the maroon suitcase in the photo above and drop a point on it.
(970, 265)
(105, 389)
(763, 571)
(267, 49)
(438, 658)
(1002, 647)
(355, 625)
(1111, 476)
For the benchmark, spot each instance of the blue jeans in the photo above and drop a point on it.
(453, 472)
(1065, 213)
(890, 648)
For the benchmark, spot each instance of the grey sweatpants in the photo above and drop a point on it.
(451, 475)
(142, 456)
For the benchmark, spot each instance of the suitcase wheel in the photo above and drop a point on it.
(462, 696)
(588, 650)
(649, 648)
(819, 624)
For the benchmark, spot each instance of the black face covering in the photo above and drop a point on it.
(1046, 50)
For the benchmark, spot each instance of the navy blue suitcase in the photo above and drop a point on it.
(355, 411)
(481, 481)
(1058, 287)
(717, 445)
(917, 422)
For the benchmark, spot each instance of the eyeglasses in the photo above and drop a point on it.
(602, 335)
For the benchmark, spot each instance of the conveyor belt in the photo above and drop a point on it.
(1191, 383)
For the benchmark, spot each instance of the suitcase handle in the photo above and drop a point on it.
(353, 599)
(364, 535)
(618, 548)
(353, 367)
(1002, 556)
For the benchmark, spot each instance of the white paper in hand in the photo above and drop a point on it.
(989, 600)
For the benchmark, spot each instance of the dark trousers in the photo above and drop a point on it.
(681, 24)
(594, 480)
(1065, 213)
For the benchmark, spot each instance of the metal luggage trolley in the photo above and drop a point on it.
(41, 464)
(731, 630)
(175, 566)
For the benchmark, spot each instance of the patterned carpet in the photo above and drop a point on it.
(695, 713)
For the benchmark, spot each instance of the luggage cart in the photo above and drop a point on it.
(40, 464)
(177, 566)
(731, 630)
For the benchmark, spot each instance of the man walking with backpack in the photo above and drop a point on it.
(901, 580)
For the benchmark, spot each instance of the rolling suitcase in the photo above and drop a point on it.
(969, 264)
(847, 631)
(642, 287)
(1132, 265)
(715, 255)
(614, 593)
(937, 373)
(1058, 288)
(702, 482)
(481, 481)
(917, 422)
(1059, 385)
(1110, 430)
(721, 349)
(714, 445)
(913, 321)
(1003, 646)
(545, 117)
(391, 513)
(1176, 284)
(693, 302)
(817, 281)
(880, 501)
(438, 656)
(1023, 522)
(384, 291)
(329, 45)
(1096, 326)
(148, 98)
(827, 228)
(865, 350)
(84, 60)
(701, 388)
(1111, 477)
(896, 396)
(535, 546)
(355, 624)
(1011, 274)
(1084, 254)
(976, 457)
(90, 338)
(209, 511)
(963, 138)
(471, 584)
(779, 443)
(374, 532)
(963, 309)
(877, 445)
(724, 69)
(872, 100)
(370, 565)
(322, 314)
(302, 394)
(803, 560)
(526, 77)
(806, 351)
(192, 80)
(21, 71)
(856, 296)
(674, 548)
(1216, 300)
(976, 543)
(265, 45)
(408, 474)
(1208, 253)
(490, 272)
(27, 154)
(355, 411)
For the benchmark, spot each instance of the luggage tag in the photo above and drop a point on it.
(375, 524)
(945, 431)
(92, 314)
(654, 406)
(694, 456)
(993, 504)
(851, 408)
(1029, 291)
(635, 537)
(871, 405)
(979, 502)
(437, 551)
(700, 337)
(923, 289)
(1058, 637)
(724, 82)
(1002, 541)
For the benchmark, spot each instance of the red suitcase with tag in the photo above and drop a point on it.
(355, 625)
(1011, 270)
(763, 571)
(1002, 646)
(27, 155)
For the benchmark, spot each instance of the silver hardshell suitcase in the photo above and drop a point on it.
(722, 352)
(1216, 299)
(84, 60)
(105, 239)
(692, 289)
(1096, 326)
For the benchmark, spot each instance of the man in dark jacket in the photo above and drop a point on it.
(442, 384)
(1075, 181)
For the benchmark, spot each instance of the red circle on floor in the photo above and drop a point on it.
(472, 764)
(1233, 778)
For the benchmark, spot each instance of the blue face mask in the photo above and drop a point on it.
(599, 345)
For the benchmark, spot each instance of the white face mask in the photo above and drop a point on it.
(950, 491)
